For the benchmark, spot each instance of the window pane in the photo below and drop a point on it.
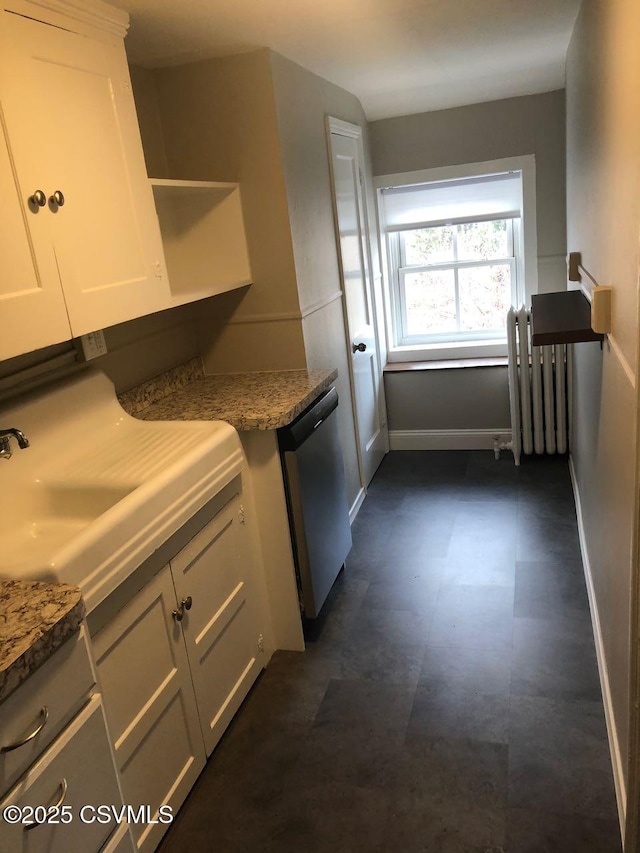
(485, 297)
(482, 241)
(431, 302)
(428, 246)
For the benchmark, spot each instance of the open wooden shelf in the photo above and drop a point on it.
(561, 318)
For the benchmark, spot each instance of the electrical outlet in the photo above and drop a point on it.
(93, 345)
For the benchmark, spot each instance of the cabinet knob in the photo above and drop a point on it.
(57, 198)
(185, 604)
(38, 198)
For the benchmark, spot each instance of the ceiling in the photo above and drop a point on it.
(398, 56)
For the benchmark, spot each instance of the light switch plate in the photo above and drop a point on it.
(93, 345)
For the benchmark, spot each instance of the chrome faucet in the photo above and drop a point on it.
(5, 441)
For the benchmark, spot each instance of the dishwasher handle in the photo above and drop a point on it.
(296, 433)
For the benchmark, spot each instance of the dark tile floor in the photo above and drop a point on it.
(449, 699)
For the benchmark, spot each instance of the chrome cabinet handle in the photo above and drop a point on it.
(358, 347)
(44, 716)
(38, 198)
(57, 198)
(63, 789)
(185, 604)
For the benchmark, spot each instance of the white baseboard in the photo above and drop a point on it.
(447, 439)
(612, 733)
(355, 506)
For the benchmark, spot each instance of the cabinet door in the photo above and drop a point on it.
(221, 628)
(72, 126)
(149, 702)
(32, 309)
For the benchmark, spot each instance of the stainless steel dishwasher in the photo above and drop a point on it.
(316, 499)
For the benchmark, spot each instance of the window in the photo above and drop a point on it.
(456, 261)
(455, 282)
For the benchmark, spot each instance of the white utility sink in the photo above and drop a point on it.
(97, 491)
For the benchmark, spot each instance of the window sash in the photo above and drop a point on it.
(397, 257)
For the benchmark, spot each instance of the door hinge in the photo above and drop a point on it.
(260, 643)
(157, 269)
(241, 515)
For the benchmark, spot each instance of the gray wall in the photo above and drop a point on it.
(260, 119)
(219, 123)
(534, 124)
(303, 100)
(456, 398)
(603, 222)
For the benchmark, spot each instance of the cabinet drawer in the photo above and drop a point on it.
(120, 842)
(62, 686)
(80, 762)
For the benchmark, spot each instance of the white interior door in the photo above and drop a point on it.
(353, 237)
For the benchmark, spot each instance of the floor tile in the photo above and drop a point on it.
(473, 667)
(397, 627)
(417, 593)
(547, 538)
(385, 662)
(473, 616)
(455, 710)
(368, 709)
(548, 589)
(545, 832)
(555, 658)
(559, 757)
(451, 798)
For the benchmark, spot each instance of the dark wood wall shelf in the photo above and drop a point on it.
(561, 318)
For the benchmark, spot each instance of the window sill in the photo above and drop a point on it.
(452, 351)
(445, 364)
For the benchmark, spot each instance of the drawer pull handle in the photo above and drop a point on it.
(44, 716)
(63, 793)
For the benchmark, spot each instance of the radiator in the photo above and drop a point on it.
(539, 390)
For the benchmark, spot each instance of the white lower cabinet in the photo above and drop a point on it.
(149, 702)
(177, 659)
(221, 628)
(77, 770)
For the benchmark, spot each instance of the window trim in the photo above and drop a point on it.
(525, 232)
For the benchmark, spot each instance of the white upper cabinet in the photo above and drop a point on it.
(32, 309)
(71, 129)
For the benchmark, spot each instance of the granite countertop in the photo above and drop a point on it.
(35, 620)
(247, 401)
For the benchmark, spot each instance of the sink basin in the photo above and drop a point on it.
(98, 491)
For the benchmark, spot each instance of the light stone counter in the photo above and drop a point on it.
(35, 620)
(247, 401)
